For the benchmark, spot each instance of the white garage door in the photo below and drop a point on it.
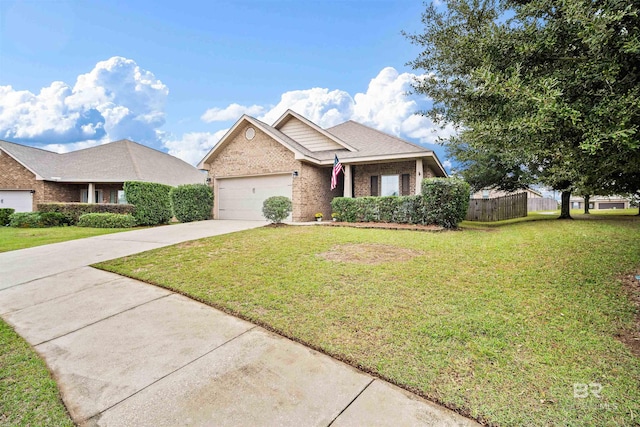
(242, 198)
(21, 201)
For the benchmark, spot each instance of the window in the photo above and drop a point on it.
(406, 185)
(591, 206)
(374, 185)
(485, 194)
(121, 197)
(390, 185)
(84, 196)
(113, 196)
(575, 205)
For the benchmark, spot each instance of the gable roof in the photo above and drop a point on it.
(118, 161)
(292, 115)
(360, 143)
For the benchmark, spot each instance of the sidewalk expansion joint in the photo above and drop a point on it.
(58, 297)
(103, 319)
(170, 373)
(350, 403)
(51, 275)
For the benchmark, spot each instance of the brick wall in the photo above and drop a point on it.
(14, 176)
(316, 193)
(363, 173)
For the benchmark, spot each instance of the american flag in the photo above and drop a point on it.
(337, 168)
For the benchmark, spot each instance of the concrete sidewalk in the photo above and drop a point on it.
(127, 353)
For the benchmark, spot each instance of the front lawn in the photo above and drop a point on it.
(28, 394)
(511, 324)
(20, 238)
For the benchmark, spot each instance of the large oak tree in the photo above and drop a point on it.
(541, 91)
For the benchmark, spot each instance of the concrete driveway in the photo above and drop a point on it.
(127, 353)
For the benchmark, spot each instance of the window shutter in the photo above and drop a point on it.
(406, 187)
(374, 185)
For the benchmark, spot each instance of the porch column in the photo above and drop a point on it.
(347, 181)
(419, 171)
(91, 194)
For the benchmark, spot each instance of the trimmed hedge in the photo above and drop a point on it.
(191, 202)
(37, 219)
(396, 209)
(53, 219)
(73, 211)
(25, 220)
(151, 201)
(446, 200)
(107, 220)
(5, 213)
(276, 208)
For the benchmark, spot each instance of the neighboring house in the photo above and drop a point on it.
(489, 193)
(601, 202)
(294, 158)
(29, 176)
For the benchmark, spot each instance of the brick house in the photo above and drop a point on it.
(294, 158)
(29, 176)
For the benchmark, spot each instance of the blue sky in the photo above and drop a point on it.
(175, 75)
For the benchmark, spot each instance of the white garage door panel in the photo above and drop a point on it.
(242, 198)
(21, 201)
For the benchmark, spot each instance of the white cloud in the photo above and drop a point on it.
(387, 105)
(323, 107)
(193, 146)
(232, 112)
(73, 146)
(447, 164)
(115, 100)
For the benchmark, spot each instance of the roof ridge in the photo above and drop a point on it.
(136, 168)
(383, 133)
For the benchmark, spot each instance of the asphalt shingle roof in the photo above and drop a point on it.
(113, 162)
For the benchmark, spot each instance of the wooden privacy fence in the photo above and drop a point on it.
(507, 207)
(540, 204)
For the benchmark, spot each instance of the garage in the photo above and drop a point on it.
(20, 200)
(611, 205)
(242, 198)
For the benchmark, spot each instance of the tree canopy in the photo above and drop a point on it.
(540, 91)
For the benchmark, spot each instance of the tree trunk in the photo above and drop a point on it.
(564, 209)
(638, 209)
(586, 204)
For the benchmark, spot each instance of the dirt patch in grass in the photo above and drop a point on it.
(369, 253)
(631, 337)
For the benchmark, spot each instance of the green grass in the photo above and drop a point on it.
(21, 238)
(498, 322)
(28, 394)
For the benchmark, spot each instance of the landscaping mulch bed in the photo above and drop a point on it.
(631, 336)
(383, 225)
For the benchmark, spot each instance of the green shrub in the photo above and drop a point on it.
(191, 202)
(151, 201)
(276, 208)
(73, 211)
(446, 201)
(344, 208)
(107, 220)
(5, 213)
(53, 219)
(25, 220)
